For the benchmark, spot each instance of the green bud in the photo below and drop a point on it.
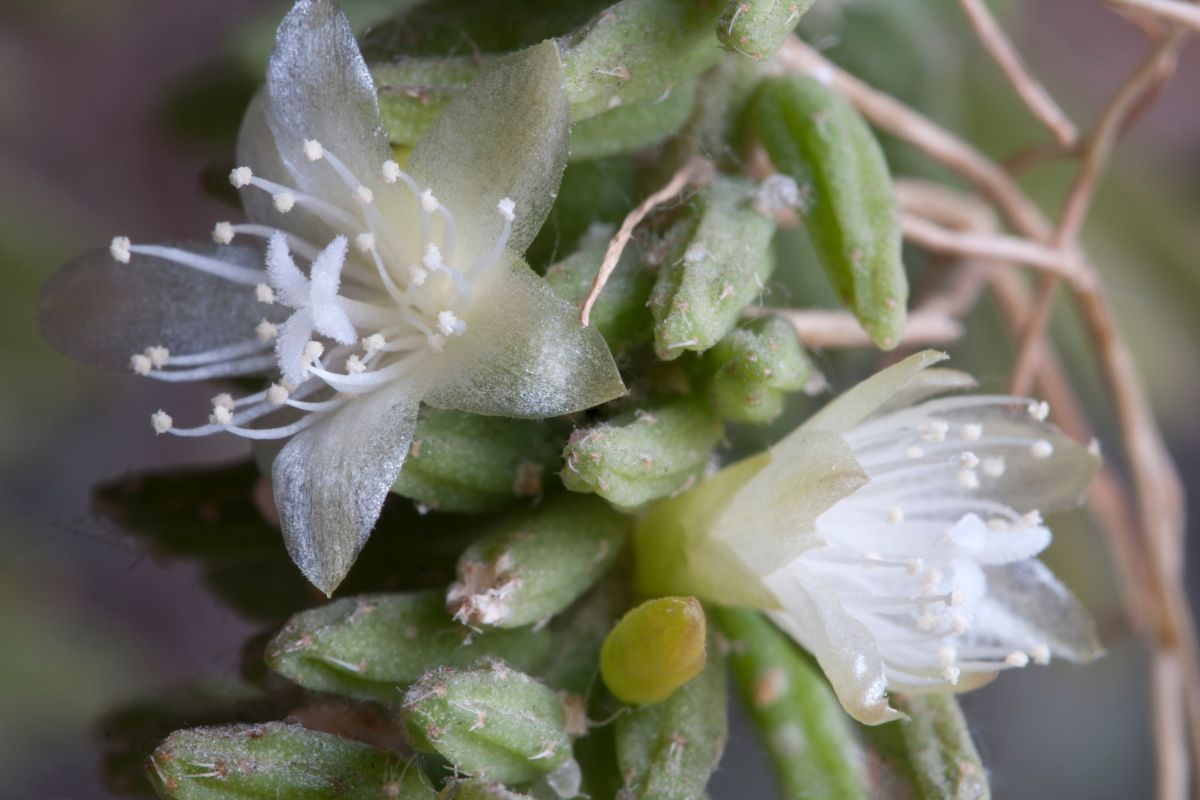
(654, 649)
(274, 760)
(592, 192)
(636, 50)
(757, 28)
(643, 455)
(479, 790)
(537, 563)
(490, 721)
(754, 368)
(807, 735)
(371, 647)
(620, 313)
(667, 751)
(942, 758)
(813, 135)
(720, 262)
(469, 463)
(414, 90)
(632, 127)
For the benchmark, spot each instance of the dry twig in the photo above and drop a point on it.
(839, 329)
(1169, 10)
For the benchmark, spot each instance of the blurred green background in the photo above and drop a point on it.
(115, 115)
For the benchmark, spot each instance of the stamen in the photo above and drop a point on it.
(1039, 411)
(968, 460)
(449, 324)
(429, 202)
(1031, 519)
(266, 331)
(364, 195)
(313, 150)
(951, 675)
(934, 431)
(1040, 653)
(432, 258)
(507, 209)
(223, 233)
(1016, 659)
(221, 416)
(234, 273)
(241, 177)
(1041, 449)
(417, 276)
(158, 356)
(365, 242)
(284, 202)
(971, 432)
(968, 479)
(140, 363)
(313, 350)
(373, 344)
(277, 395)
(354, 365)
(120, 249)
(391, 171)
(946, 656)
(264, 293)
(224, 400)
(161, 421)
(993, 467)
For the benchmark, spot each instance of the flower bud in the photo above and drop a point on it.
(469, 463)
(654, 649)
(620, 312)
(807, 735)
(667, 751)
(372, 646)
(275, 759)
(629, 127)
(537, 563)
(815, 136)
(489, 721)
(479, 790)
(720, 264)
(941, 758)
(754, 368)
(641, 456)
(757, 28)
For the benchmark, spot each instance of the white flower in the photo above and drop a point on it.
(892, 535)
(358, 287)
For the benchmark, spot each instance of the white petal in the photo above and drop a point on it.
(524, 354)
(844, 648)
(331, 480)
(100, 312)
(504, 136)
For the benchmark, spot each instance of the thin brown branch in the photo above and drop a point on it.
(1169, 10)
(691, 172)
(1032, 93)
(839, 329)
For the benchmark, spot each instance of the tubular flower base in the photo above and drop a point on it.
(361, 289)
(893, 535)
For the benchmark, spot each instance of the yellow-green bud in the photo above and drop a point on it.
(754, 368)
(654, 649)
(756, 28)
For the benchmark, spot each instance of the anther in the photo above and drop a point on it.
(1031, 519)
(364, 195)
(507, 209)
(364, 242)
(914, 566)
(391, 171)
(432, 259)
(449, 324)
(266, 331)
(1041, 449)
(277, 395)
(313, 150)
(925, 622)
(284, 202)
(120, 249)
(355, 366)
(951, 675)
(241, 177)
(159, 356)
(428, 201)
(264, 293)
(224, 400)
(1039, 411)
(221, 416)
(222, 233)
(161, 421)
(971, 432)
(959, 624)
(968, 479)
(417, 276)
(993, 467)
(373, 344)
(1016, 659)
(895, 515)
(946, 656)
(968, 460)
(312, 351)
(956, 598)
(1040, 653)
(935, 431)
(140, 363)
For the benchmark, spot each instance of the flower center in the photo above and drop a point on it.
(361, 316)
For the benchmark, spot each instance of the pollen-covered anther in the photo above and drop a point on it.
(1041, 449)
(222, 233)
(925, 622)
(417, 276)
(968, 479)
(158, 355)
(449, 324)
(947, 656)
(224, 400)
(312, 351)
(956, 598)
(284, 202)
(914, 566)
(120, 249)
(1039, 411)
(140, 363)
(390, 171)
(221, 416)
(993, 467)
(432, 258)
(970, 432)
(313, 150)
(241, 177)
(429, 202)
(1031, 519)
(507, 209)
(959, 624)
(1040, 653)
(935, 431)
(264, 293)
(277, 395)
(1016, 659)
(365, 242)
(968, 460)
(895, 515)
(373, 344)
(354, 365)
(364, 195)
(161, 421)
(266, 331)
(951, 675)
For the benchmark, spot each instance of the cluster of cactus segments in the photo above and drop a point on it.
(491, 642)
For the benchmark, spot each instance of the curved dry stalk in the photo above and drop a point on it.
(1168, 10)
(819, 327)
(1032, 93)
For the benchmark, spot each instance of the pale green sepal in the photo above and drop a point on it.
(856, 404)
(413, 90)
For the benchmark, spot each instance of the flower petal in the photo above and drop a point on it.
(524, 354)
(772, 519)
(1026, 606)
(505, 136)
(318, 87)
(101, 312)
(842, 646)
(927, 383)
(331, 480)
(861, 401)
